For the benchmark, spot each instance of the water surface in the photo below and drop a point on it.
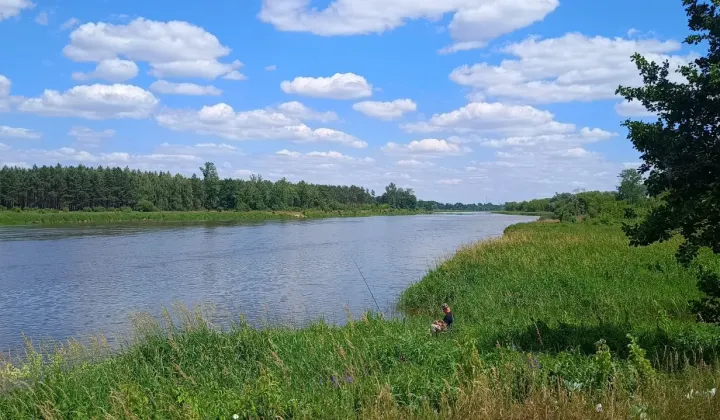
(78, 281)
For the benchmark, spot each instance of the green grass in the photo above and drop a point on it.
(529, 308)
(58, 218)
(542, 214)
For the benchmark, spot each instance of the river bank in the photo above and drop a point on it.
(40, 217)
(531, 307)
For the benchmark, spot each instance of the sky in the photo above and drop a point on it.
(460, 100)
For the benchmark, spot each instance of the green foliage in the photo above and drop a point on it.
(90, 189)
(680, 149)
(631, 187)
(145, 206)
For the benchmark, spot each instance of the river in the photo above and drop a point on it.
(77, 281)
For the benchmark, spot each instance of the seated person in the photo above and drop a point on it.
(443, 324)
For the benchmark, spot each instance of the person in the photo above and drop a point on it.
(443, 324)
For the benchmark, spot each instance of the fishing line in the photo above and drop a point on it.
(366, 283)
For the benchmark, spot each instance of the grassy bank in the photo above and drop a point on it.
(530, 307)
(59, 218)
(541, 214)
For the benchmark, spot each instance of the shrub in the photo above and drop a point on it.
(146, 206)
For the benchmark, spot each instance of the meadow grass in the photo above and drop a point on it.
(542, 214)
(532, 310)
(45, 217)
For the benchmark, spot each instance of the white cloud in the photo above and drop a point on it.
(298, 110)
(272, 67)
(235, 75)
(173, 49)
(12, 8)
(263, 124)
(199, 149)
(169, 88)
(42, 18)
(89, 137)
(338, 86)
(70, 23)
(573, 67)
(112, 70)
(414, 163)
(632, 109)
(454, 181)
(474, 22)
(205, 69)
(288, 153)
(21, 133)
(94, 102)
(323, 156)
(386, 110)
(493, 117)
(427, 147)
(585, 135)
(5, 85)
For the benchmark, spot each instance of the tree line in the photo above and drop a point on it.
(84, 188)
(627, 201)
(437, 206)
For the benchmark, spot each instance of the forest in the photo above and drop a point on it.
(83, 188)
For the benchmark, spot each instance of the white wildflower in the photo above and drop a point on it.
(236, 417)
(598, 408)
(712, 392)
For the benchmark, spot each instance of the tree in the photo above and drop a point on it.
(631, 187)
(681, 149)
(211, 181)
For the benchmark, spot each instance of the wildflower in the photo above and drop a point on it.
(334, 381)
(598, 408)
(712, 392)
(236, 417)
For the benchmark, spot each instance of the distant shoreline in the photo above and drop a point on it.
(40, 217)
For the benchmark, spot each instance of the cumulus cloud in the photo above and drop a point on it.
(330, 155)
(473, 23)
(173, 49)
(427, 147)
(93, 102)
(263, 124)
(493, 117)
(573, 67)
(12, 8)
(168, 88)
(297, 110)
(235, 75)
(414, 163)
(112, 70)
(386, 110)
(337, 86)
(632, 109)
(584, 136)
(20, 133)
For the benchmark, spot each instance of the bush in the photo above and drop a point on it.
(126, 209)
(146, 206)
(99, 209)
(16, 209)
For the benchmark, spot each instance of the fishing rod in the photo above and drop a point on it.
(366, 283)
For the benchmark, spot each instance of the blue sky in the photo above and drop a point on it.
(461, 100)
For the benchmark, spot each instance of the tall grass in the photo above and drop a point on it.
(46, 217)
(532, 309)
